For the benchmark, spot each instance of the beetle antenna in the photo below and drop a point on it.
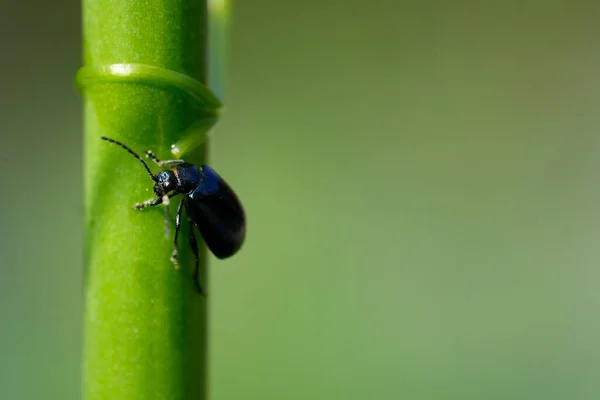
(133, 153)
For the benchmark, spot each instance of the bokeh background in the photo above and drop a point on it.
(421, 184)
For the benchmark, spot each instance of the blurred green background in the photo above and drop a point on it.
(420, 179)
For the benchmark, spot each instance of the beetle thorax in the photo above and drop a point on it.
(188, 177)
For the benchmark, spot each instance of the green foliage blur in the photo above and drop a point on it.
(420, 183)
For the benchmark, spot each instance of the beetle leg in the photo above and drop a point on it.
(165, 202)
(154, 202)
(175, 254)
(150, 155)
(194, 246)
(148, 203)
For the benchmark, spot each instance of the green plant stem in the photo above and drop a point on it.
(145, 326)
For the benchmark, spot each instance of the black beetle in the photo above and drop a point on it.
(210, 204)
